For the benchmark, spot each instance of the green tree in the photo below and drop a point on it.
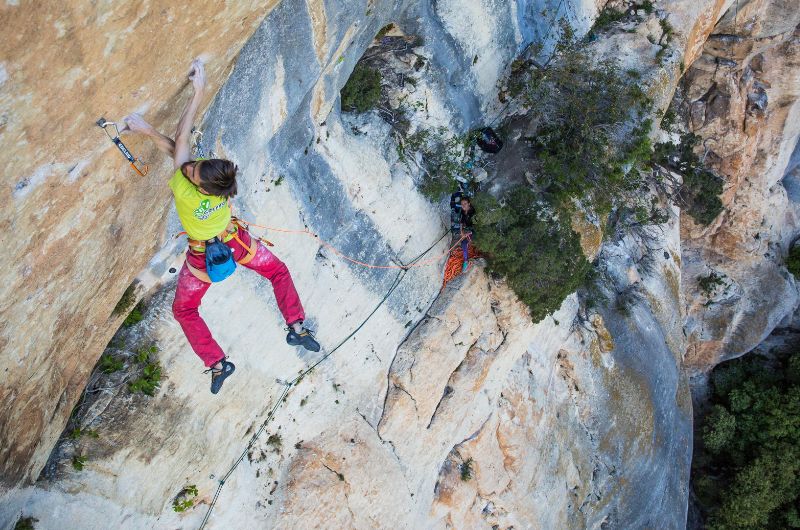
(362, 92)
(793, 261)
(701, 189)
(590, 143)
(533, 246)
(747, 473)
(592, 134)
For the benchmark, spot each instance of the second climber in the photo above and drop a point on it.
(461, 222)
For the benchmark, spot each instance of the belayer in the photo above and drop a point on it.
(461, 221)
(217, 242)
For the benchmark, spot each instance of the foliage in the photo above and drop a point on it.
(78, 462)
(668, 120)
(185, 499)
(134, 317)
(747, 473)
(384, 30)
(26, 523)
(443, 157)
(465, 469)
(77, 433)
(701, 188)
(593, 135)
(590, 145)
(362, 92)
(275, 441)
(793, 261)
(110, 364)
(607, 18)
(533, 246)
(150, 379)
(667, 31)
(126, 301)
(627, 298)
(144, 354)
(648, 7)
(709, 282)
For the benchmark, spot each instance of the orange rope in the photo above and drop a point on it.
(453, 266)
(423, 263)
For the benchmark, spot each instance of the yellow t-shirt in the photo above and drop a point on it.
(202, 216)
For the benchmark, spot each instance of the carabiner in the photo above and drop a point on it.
(103, 124)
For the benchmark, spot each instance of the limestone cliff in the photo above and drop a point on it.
(743, 99)
(78, 224)
(444, 410)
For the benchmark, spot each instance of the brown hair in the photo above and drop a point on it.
(218, 177)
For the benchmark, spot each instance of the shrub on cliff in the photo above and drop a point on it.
(592, 134)
(443, 157)
(701, 189)
(533, 246)
(362, 92)
(793, 261)
(747, 474)
(590, 142)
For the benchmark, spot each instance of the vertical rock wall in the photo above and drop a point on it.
(743, 100)
(78, 224)
(460, 414)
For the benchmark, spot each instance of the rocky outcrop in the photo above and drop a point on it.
(741, 96)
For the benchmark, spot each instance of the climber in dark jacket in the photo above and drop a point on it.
(461, 224)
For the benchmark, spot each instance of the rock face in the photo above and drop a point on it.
(72, 202)
(445, 409)
(742, 95)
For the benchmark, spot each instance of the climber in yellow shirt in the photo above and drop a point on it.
(202, 190)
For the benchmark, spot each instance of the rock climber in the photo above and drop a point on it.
(461, 223)
(202, 190)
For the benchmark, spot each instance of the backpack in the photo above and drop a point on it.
(488, 141)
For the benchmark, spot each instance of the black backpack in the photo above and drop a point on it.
(488, 141)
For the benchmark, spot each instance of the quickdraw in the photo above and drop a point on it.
(137, 165)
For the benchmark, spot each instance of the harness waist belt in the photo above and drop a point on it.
(199, 247)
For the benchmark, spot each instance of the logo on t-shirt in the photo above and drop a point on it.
(205, 210)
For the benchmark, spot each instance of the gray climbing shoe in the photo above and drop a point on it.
(218, 375)
(304, 339)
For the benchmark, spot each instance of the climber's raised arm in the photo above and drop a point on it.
(135, 123)
(183, 152)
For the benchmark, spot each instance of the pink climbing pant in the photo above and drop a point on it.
(190, 292)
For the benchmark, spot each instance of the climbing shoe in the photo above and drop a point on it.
(304, 339)
(464, 266)
(218, 375)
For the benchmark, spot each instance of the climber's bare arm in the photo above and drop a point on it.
(183, 152)
(135, 123)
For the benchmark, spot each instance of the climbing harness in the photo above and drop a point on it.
(231, 232)
(288, 385)
(104, 124)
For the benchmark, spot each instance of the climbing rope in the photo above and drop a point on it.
(290, 384)
(424, 263)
